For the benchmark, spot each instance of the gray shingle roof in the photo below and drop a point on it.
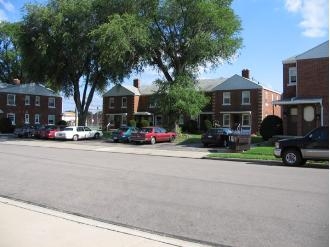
(30, 88)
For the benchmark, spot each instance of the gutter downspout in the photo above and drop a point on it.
(321, 113)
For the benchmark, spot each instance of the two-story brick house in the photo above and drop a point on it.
(305, 100)
(30, 104)
(240, 101)
(236, 100)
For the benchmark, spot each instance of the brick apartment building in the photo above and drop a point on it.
(29, 104)
(305, 100)
(236, 100)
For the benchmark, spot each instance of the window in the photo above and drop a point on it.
(246, 120)
(292, 76)
(11, 99)
(26, 118)
(111, 102)
(152, 102)
(226, 120)
(226, 98)
(11, 116)
(124, 102)
(245, 97)
(27, 99)
(51, 119)
(51, 102)
(37, 101)
(37, 119)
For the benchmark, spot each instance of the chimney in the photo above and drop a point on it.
(16, 81)
(136, 83)
(246, 73)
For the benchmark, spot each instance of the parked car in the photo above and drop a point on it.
(216, 136)
(313, 146)
(37, 130)
(152, 135)
(48, 132)
(78, 132)
(24, 131)
(123, 134)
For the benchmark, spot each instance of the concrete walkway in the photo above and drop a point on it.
(26, 225)
(107, 148)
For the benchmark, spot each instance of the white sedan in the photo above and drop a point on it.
(77, 132)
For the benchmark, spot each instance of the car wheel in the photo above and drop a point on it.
(97, 136)
(172, 138)
(75, 138)
(153, 140)
(292, 157)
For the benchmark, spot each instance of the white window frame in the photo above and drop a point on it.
(37, 118)
(226, 120)
(27, 99)
(51, 102)
(226, 96)
(246, 95)
(292, 76)
(124, 102)
(51, 119)
(244, 116)
(12, 117)
(111, 103)
(11, 99)
(26, 118)
(37, 100)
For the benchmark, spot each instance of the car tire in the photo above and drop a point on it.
(153, 140)
(75, 138)
(292, 157)
(172, 138)
(97, 136)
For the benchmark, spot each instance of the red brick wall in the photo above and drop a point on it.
(288, 91)
(21, 109)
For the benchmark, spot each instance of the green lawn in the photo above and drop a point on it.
(255, 153)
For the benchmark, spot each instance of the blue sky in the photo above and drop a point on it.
(273, 30)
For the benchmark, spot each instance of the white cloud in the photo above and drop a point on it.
(314, 13)
(7, 5)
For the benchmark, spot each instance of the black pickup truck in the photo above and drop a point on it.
(313, 146)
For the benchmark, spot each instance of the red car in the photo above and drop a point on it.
(49, 131)
(152, 135)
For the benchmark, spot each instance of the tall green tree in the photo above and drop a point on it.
(59, 49)
(10, 54)
(182, 37)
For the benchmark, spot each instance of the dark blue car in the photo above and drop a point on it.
(123, 134)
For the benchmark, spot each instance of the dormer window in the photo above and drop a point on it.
(292, 76)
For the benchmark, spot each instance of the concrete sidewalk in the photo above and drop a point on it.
(106, 148)
(26, 225)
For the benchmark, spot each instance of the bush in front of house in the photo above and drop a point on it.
(6, 126)
(207, 124)
(271, 125)
(132, 123)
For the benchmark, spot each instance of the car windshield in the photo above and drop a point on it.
(146, 130)
(123, 129)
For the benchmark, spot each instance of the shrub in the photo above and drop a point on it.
(6, 125)
(270, 126)
(207, 124)
(144, 123)
(62, 123)
(132, 123)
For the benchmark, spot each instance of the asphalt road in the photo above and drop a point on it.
(221, 202)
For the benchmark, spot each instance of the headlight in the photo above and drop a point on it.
(277, 145)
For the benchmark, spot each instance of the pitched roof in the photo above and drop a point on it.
(122, 90)
(30, 88)
(319, 51)
(3, 85)
(237, 82)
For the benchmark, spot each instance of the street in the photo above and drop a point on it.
(219, 202)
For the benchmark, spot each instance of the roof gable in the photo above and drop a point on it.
(121, 90)
(237, 82)
(319, 51)
(29, 88)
